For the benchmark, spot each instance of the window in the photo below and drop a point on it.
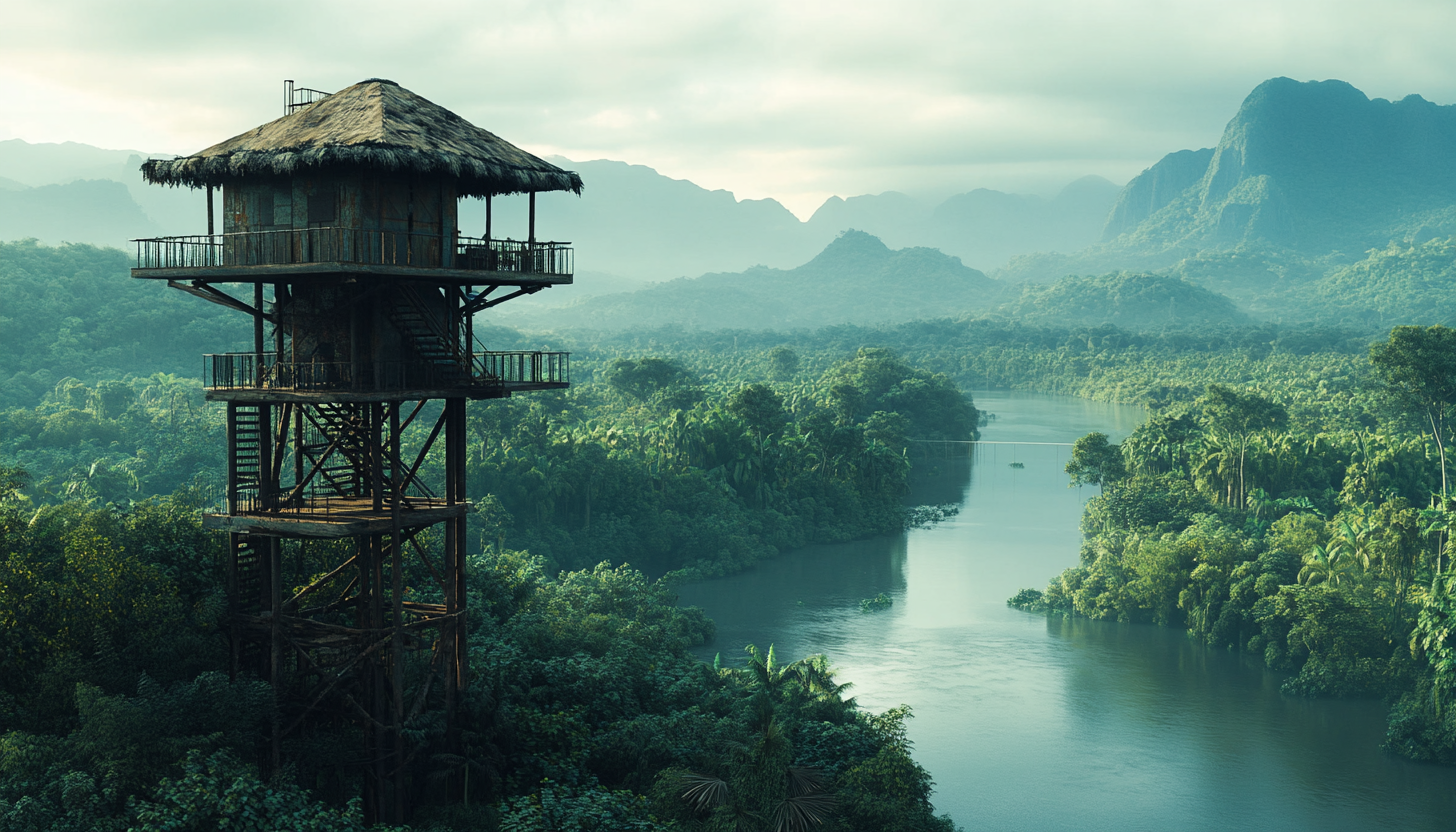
(323, 207)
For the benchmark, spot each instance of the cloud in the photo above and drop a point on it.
(797, 101)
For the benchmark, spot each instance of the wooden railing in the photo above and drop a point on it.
(239, 371)
(353, 245)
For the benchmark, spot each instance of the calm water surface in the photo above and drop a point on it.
(1031, 723)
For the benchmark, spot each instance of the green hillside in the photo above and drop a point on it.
(76, 311)
(1130, 301)
(856, 279)
(1403, 283)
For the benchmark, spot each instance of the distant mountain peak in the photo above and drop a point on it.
(1311, 165)
(852, 244)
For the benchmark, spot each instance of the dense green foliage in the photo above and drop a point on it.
(584, 701)
(650, 463)
(585, 707)
(1127, 300)
(1278, 500)
(73, 311)
(671, 468)
(1324, 551)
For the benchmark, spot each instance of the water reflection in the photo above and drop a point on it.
(1043, 724)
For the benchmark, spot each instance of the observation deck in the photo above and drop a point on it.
(297, 253)
(331, 516)
(255, 377)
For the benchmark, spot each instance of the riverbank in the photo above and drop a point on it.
(1038, 724)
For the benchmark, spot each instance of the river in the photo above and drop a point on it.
(1029, 722)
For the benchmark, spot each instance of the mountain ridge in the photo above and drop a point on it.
(1315, 166)
(856, 279)
(633, 225)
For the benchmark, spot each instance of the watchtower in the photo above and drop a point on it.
(346, 429)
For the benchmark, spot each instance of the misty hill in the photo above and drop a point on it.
(76, 311)
(1403, 283)
(70, 192)
(1305, 180)
(855, 279)
(631, 226)
(1129, 301)
(95, 211)
(1315, 166)
(633, 222)
(1155, 188)
(982, 227)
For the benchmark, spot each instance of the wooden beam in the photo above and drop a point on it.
(208, 293)
(526, 290)
(293, 602)
(284, 525)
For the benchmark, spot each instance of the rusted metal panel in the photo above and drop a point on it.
(234, 209)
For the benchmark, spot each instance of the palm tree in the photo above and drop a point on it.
(758, 791)
(1324, 566)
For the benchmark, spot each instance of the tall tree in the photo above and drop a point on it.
(1417, 366)
(1241, 416)
(1095, 461)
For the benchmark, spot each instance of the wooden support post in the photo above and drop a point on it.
(376, 454)
(531, 228)
(258, 334)
(396, 612)
(275, 633)
(487, 218)
(363, 618)
(265, 456)
(455, 541)
(210, 232)
(378, 698)
(280, 296)
(354, 369)
(469, 332)
(232, 460)
(235, 643)
(298, 444)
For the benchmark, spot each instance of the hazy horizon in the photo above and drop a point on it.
(795, 104)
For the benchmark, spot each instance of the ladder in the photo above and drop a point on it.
(246, 461)
(427, 338)
(247, 578)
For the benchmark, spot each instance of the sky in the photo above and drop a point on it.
(792, 101)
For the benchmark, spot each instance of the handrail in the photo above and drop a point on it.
(242, 371)
(353, 245)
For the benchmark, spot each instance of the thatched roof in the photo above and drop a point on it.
(375, 124)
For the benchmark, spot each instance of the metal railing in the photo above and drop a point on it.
(517, 256)
(353, 245)
(238, 371)
(523, 367)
